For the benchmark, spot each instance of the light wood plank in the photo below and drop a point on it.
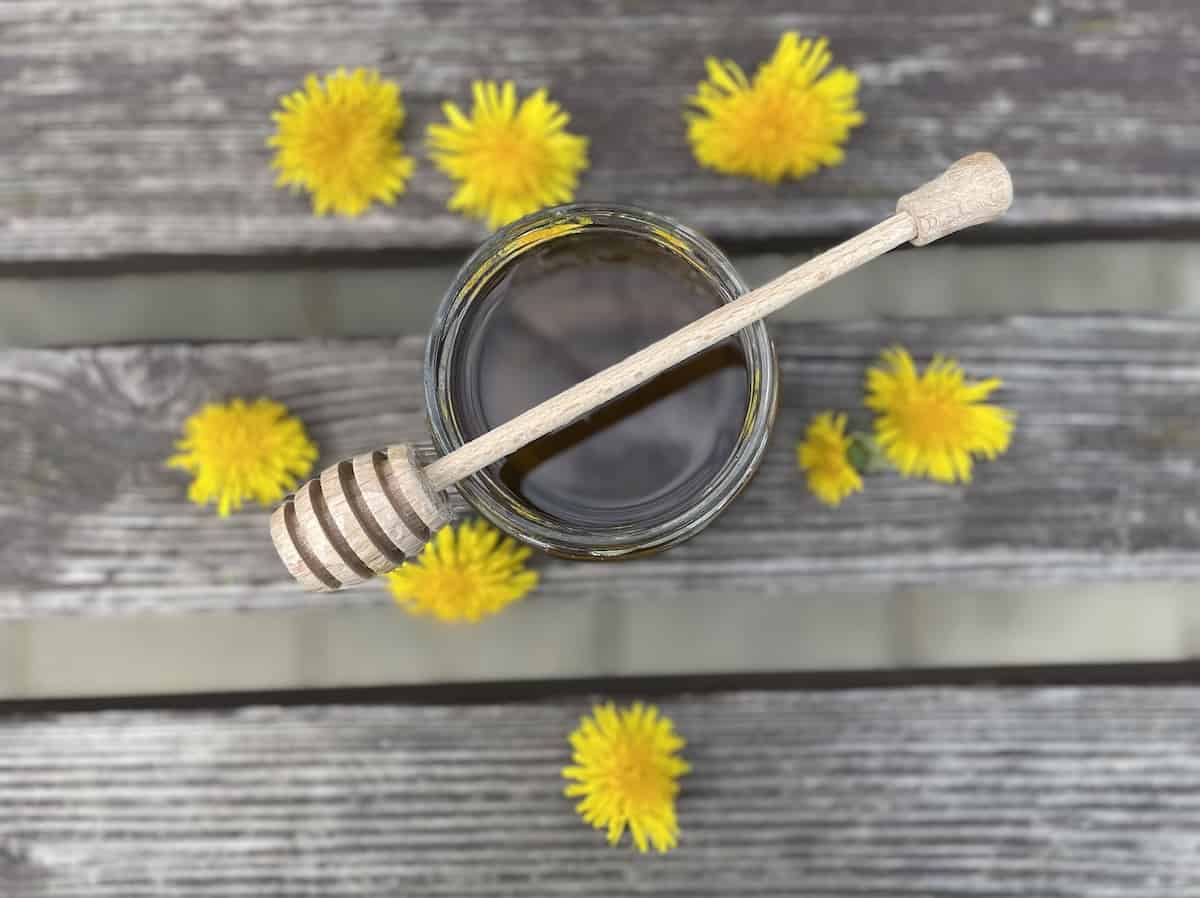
(917, 792)
(1102, 482)
(138, 126)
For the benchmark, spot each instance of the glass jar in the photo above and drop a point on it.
(607, 245)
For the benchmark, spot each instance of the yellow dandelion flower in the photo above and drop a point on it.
(931, 424)
(627, 770)
(824, 457)
(792, 119)
(237, 451)
(337, 140)
(464, 574)
(508, 159)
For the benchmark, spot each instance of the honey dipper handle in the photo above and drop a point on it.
(974, 190)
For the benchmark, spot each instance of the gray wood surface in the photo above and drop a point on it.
(138, 126)
(1102, 482)
(918, 792)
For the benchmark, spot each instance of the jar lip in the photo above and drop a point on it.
(562, 538)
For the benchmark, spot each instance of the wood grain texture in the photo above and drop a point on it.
(929, 793)
(1102, 482)
(138, 126)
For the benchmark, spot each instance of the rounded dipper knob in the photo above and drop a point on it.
(974, 190)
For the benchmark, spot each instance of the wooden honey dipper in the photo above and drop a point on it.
(364, 516)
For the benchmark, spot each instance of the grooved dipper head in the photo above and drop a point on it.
(361, 517)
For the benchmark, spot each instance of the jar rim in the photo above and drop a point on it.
(563, 538)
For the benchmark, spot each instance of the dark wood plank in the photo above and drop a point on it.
(1101, 484)
(137, 127)
(923, 792)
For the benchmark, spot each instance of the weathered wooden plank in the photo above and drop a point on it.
(138, 126)
(1102, 482)
(1040, 792)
